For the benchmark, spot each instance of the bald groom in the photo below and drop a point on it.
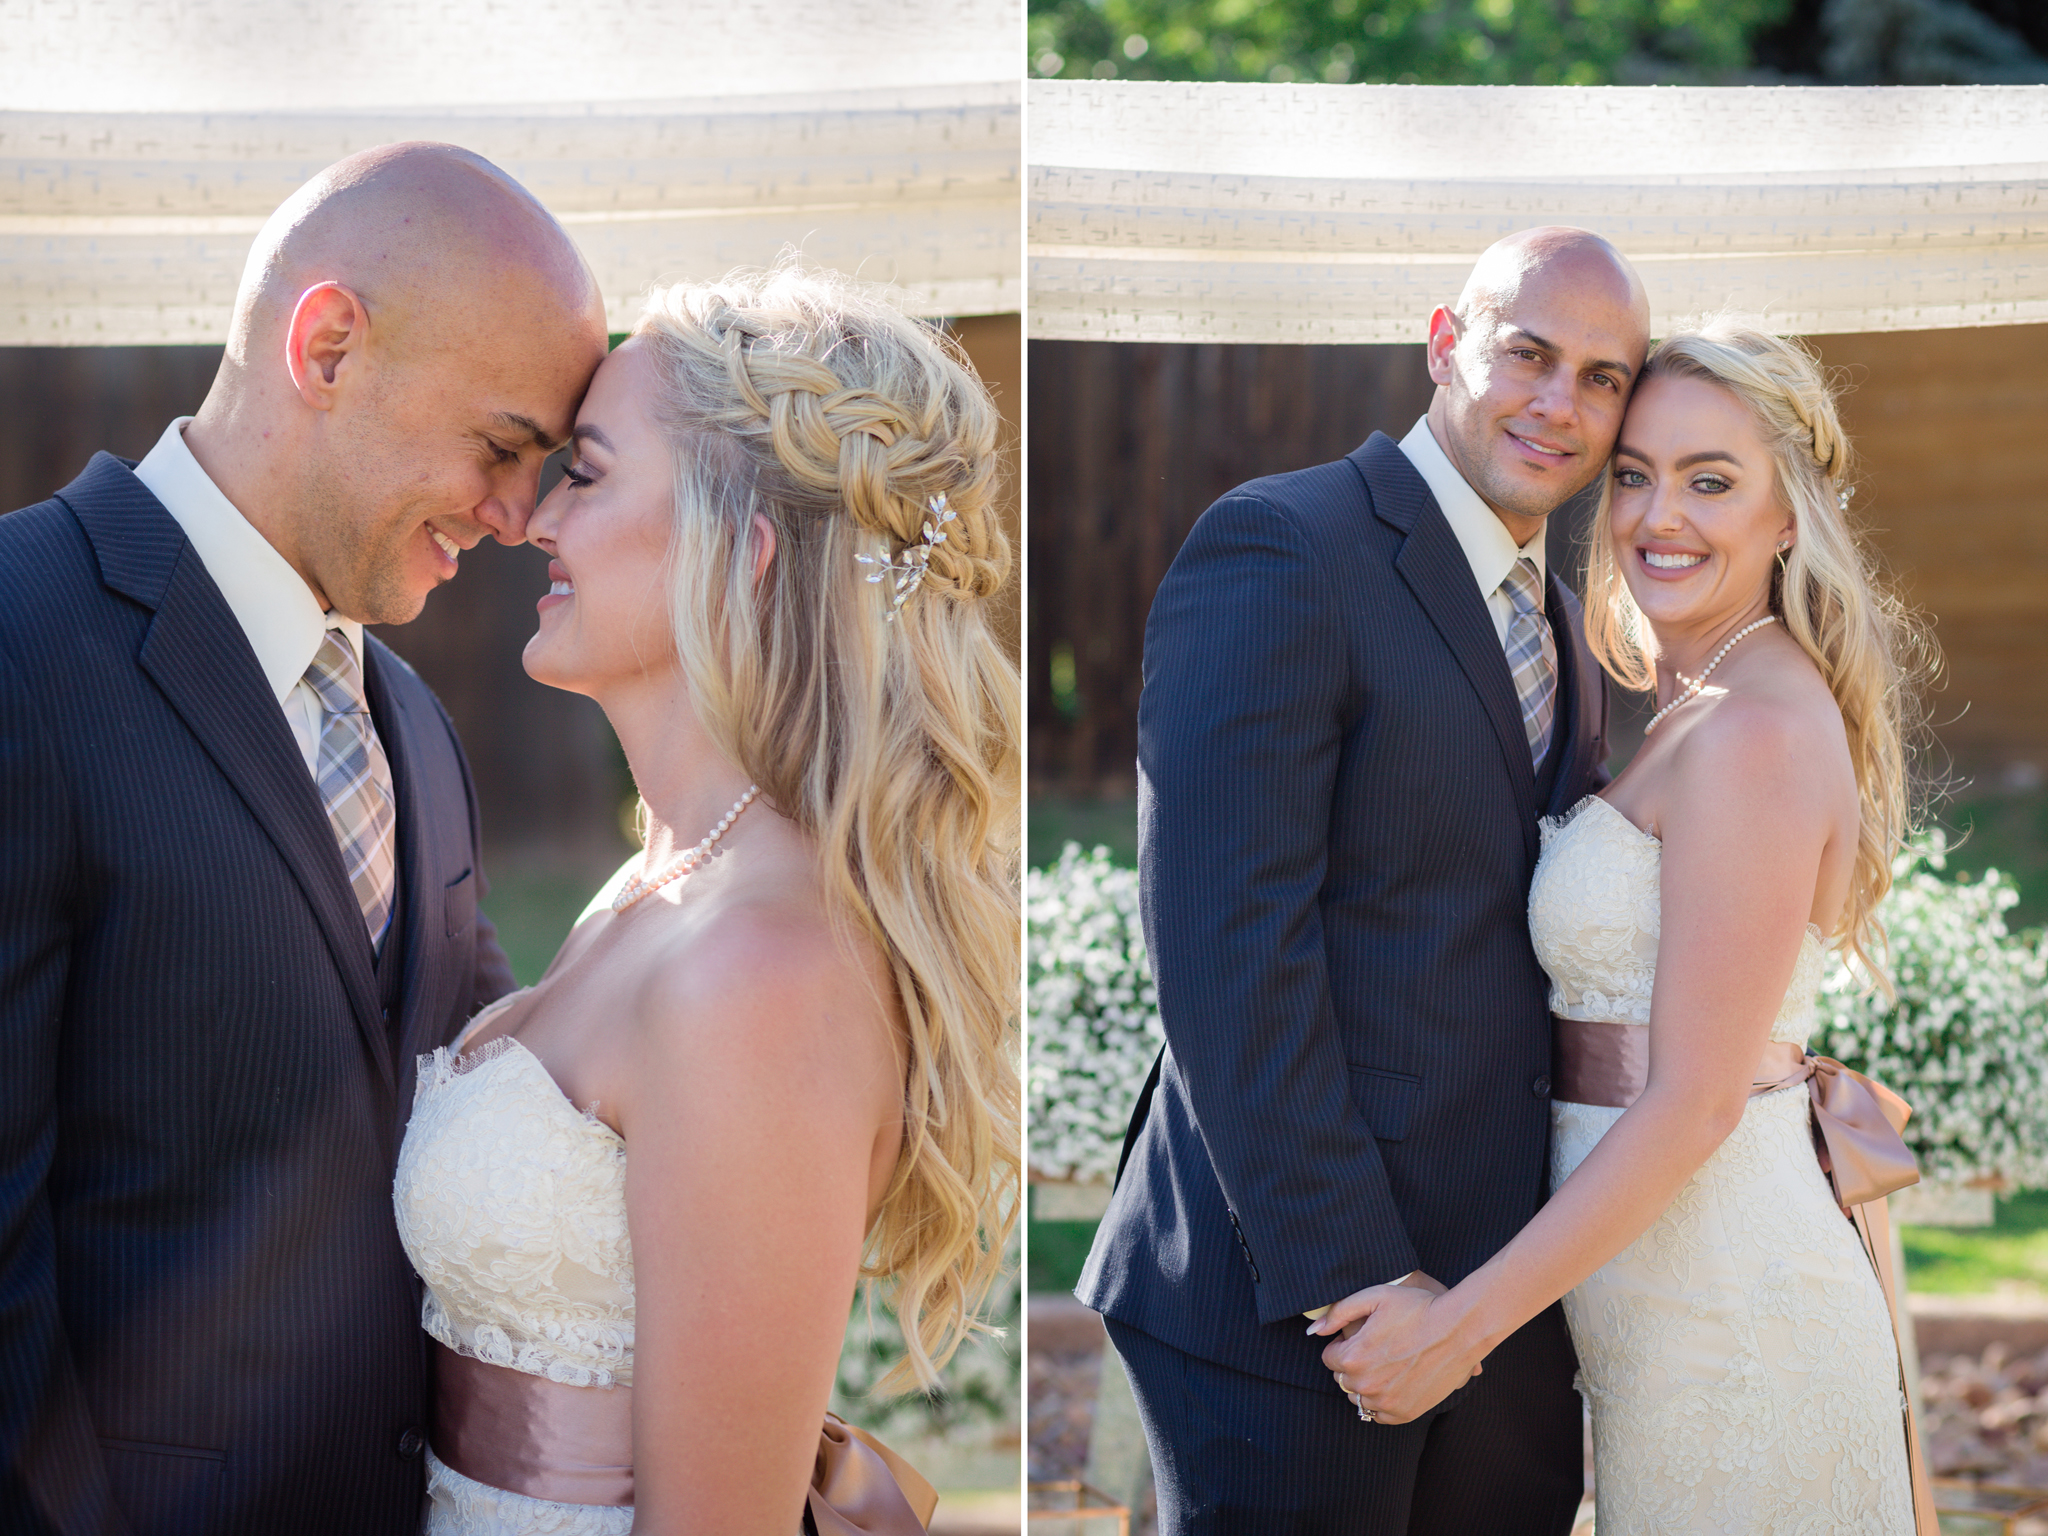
(1362, 688)
(239, 873)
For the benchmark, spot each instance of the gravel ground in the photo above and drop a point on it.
(1061, 1412)
(1987, 1420)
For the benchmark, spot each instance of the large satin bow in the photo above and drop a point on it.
(862, 1488)
(1860, 1122)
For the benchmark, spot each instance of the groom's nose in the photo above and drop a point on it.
(509, 507)
(1557, 396)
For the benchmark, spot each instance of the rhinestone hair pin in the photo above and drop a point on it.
(909, 567)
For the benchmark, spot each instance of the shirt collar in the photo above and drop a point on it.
(269, 599)
(1488, 545)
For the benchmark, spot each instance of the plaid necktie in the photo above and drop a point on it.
(1532, 656)
(354, 780)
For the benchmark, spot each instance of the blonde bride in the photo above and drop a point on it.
(779, 1057)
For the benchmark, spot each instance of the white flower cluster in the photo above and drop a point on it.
(1094, 1013)
(1966, 1044)
(981, 1386)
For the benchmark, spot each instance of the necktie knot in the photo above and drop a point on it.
(337, 677)
(1523, 587)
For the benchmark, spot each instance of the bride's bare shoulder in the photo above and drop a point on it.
(771, 976)
(1775, 731)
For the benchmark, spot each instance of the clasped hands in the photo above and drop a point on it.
(1398, 1352)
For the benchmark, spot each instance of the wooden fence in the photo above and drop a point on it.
(1129, 442)
(550, 776)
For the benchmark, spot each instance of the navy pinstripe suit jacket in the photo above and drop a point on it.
(207, 1324)
(1337, 829)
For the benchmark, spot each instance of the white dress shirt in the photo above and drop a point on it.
(1485, 539)
(269, 599)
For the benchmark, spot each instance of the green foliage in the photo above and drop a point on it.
(1463, 42)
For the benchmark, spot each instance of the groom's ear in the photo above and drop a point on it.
(330, 325)
(1443, 340)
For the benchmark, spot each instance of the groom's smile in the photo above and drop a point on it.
(1544, 450)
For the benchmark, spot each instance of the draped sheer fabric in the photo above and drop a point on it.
(1200, 212)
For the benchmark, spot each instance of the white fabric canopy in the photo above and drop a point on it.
(144, 145)
(1311, 213)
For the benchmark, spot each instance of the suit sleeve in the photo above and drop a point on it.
(1241, 724)
(52, 1477)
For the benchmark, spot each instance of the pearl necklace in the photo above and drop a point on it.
(1694, 684)
(635, 888)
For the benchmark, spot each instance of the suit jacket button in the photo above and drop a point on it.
(411, 1443)
(1541, 1087)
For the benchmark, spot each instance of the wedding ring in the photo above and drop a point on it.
(1365, 1413)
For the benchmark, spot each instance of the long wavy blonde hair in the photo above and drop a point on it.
(1826, 590)
(811, 401)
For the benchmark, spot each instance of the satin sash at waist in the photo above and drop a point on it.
(1600, 1062)
(523, 1433)
(574, 1445)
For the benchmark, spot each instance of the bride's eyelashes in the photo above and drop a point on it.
(1705, 485)
(575, 478)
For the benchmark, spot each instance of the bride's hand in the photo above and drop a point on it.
(1396, 1357)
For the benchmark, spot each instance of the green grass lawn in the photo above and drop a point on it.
(1056, 1252)
(1940, 1260)
(1053, 821)
(1959, 1260)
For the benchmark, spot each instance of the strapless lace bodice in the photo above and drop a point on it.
(511, 1203)
(1594, 915)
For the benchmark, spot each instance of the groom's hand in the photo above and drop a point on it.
(1398, 1355)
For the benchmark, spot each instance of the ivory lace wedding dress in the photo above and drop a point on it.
(511, 1203)
(1738, 1356)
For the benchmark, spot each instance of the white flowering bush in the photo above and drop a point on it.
(1094, 1013)
(1966, 1044)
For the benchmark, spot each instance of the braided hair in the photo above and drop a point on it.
(1827, 590)
(808, 400)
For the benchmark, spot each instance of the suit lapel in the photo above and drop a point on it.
(419, 904)
(1434, 566)
(1581, 685)
(197, 655)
